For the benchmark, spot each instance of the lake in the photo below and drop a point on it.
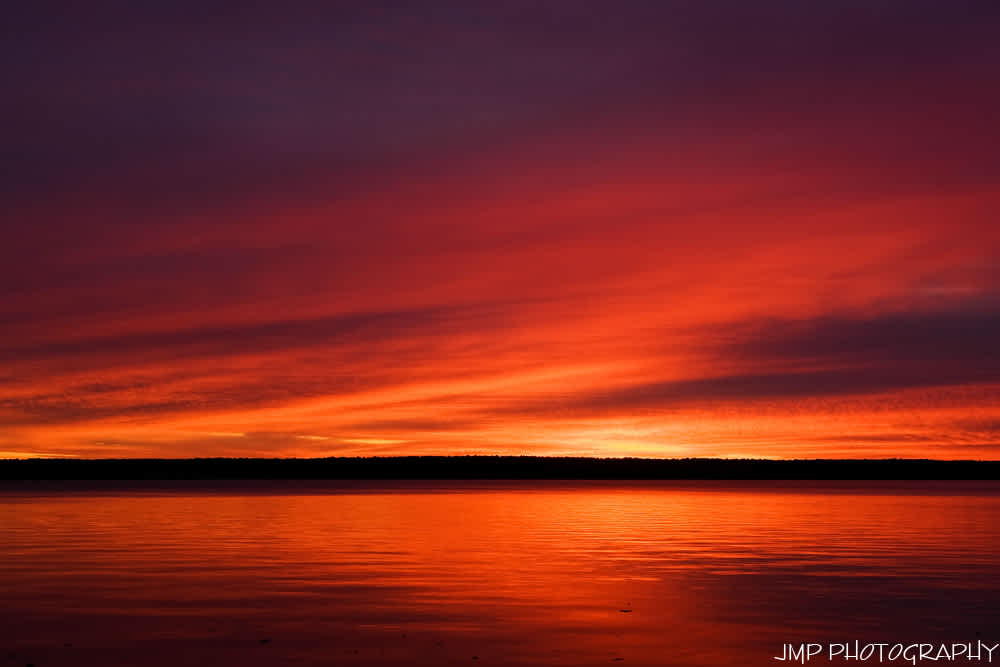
(511, 573)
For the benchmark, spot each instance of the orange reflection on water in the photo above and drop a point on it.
(511, 573)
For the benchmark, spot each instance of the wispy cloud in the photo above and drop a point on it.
(736, 228)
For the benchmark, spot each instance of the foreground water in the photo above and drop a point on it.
(491, 573)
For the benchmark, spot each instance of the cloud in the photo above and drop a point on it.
(241, 339)
(479, 225)
(822, 357)
(961, 338)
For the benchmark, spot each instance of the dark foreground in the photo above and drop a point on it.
(496, 467)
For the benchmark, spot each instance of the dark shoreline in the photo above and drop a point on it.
(494, 468)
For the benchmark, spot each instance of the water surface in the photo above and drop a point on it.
(533, 573)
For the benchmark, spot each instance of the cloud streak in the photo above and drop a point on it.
(672, 229)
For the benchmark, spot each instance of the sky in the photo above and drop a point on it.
(715, 228)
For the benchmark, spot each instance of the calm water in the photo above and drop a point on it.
(521, 573)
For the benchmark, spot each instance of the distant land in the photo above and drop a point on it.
(495, 468)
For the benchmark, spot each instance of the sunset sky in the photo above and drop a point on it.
(668, 228)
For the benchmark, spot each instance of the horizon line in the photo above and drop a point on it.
(374, 457)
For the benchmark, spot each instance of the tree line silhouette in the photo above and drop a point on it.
(494, 467)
